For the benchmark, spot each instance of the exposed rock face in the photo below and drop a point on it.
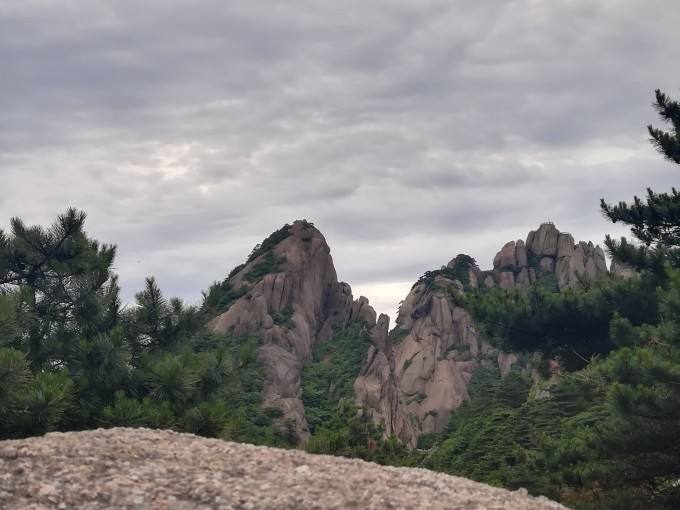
(506, 257)
(544, 240)
(435, 360)
(305, 285)
(437, 347)
(548, 253)
(378, 389)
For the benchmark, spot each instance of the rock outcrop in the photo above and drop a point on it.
(548, 255)
(377, 386)
(435, 360)
(436, 347)
(291, 275)
(139, 469)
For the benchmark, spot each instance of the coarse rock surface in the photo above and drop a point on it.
(154, 469)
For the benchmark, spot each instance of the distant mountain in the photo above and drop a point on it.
(410, 379)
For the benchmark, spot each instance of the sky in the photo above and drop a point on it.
(408, 131)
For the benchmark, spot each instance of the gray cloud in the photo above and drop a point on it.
(408, 131)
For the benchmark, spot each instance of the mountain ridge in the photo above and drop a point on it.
(413, 376)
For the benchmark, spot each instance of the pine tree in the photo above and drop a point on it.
(667, 143)
(633, 457)
(655, 221)
(60, 277)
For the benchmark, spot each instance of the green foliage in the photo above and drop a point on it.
(330, 376)
(459, 271)
(572, 325)
(667, 143)
(268, 244)
(501, 435)
(637, 445)
(235, 271)
(15, 379)
(170, 380)
(44, 404)
(547, 282)
(270, 264)
(207, 419)
(9, 326)
(220, 296)
(654, 222)
(70, 358)
(350, 432)
(482, 438)
(284, 318)
(124, 412)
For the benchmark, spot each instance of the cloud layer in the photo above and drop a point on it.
(407, 130)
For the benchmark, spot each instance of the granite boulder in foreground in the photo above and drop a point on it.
(159, 469)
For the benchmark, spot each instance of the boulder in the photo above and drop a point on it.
(543, 241)
(506, 258)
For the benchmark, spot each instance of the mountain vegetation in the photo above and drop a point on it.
(590, 417)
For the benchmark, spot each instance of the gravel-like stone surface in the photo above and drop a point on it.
(154, 469)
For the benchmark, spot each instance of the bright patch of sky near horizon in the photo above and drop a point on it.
(407, 131)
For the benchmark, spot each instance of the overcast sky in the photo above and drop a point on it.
(407, 130)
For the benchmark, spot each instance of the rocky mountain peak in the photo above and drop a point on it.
(288, 296)
(436, 347)
(549, 256)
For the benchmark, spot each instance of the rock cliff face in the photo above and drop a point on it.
(377, 386)
(436, 347)
(291, 300)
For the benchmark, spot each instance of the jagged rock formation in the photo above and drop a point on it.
(436, 346)
(435, 361)
(291, 300)
(547, 253)
(377, 386)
